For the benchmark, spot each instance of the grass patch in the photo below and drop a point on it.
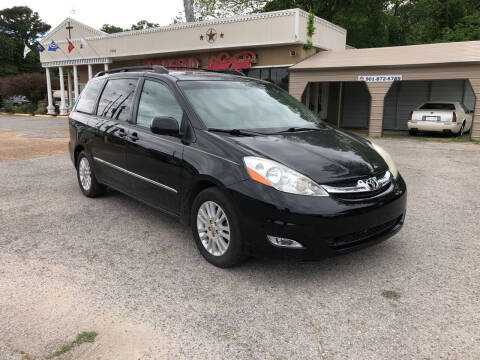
(86, 336)
(463, 139)
(25, 356)
(448, 138)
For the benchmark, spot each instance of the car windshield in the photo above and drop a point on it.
(437, 106)
(247, 105)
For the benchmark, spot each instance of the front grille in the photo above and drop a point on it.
(363, 195)
(356, 238)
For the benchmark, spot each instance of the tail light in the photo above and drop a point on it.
(454, 117)
(410, 117)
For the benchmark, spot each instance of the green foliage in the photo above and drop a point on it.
(19, 25)
(80, 339)
(110, 29)
(207, 9)
(373, 23)
(310, 31)
(144, 24)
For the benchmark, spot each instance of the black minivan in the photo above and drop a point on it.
(247, 166)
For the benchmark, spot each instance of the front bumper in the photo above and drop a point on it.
(434, 126)
(325, 226)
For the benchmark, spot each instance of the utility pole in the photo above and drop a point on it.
(188, 5)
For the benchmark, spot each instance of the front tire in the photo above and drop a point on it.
(216, 228)
(87, 181)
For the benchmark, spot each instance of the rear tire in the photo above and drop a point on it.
(462, 130)
(87, 181)
(216, 228)
(413, 132)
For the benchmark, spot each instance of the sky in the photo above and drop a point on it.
(95, 13)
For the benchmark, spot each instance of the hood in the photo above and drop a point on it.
(325, 156)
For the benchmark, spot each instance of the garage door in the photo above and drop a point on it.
(355, 105)
(402, 98)
(405, 96)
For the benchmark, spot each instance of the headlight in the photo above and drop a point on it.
(280, 177)
(388, 159)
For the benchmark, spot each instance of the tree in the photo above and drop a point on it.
(188, 6)
(110, 29)
(366, 21)
(144, 24)
(20, 22)
(206, 9)
(19, 25)
(33, 86)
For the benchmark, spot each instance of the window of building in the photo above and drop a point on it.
(117, 98)
(278, 76)
(157, 100)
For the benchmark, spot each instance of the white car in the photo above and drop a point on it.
(441, 116)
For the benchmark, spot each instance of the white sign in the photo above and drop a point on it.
(380, 78)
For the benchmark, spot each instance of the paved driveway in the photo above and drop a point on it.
(117, 267)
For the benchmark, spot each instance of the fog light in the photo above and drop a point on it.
(283, 242)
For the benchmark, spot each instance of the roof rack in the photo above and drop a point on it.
(227, 71)
(156, 68)
(164, 70)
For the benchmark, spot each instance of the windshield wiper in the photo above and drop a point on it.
(295, 129)
(236, 132)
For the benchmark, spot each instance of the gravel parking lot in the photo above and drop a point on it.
(132, 274)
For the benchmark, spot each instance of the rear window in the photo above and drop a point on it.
(437, 106)
(86, 103)
(117, 98)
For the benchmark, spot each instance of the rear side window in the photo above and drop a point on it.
(437, 106)
(117, 98)
(86, 103)
(157, 100)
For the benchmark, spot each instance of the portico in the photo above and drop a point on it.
(263, 45)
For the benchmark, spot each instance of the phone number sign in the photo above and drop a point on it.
(380, 78)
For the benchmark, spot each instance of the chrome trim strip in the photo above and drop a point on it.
(135, 175)
(360, 187)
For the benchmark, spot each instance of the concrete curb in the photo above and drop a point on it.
(18, 114)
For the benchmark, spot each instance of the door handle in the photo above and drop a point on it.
(121, 132)
(133, 136)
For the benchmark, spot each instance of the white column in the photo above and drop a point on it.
(75, 81)
(63, 107)
(69, 85)
(90, 71)
(50, 107)
(105, 66)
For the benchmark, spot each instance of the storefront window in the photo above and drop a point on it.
(278, 76)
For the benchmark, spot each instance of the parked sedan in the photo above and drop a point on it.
(441, 116)
(247, 166)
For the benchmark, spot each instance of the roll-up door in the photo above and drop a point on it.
(402, 98)
(355, 105)
(447, 90)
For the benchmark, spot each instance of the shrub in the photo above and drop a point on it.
(8, 108)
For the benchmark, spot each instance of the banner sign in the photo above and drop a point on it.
(237, 62)
(380, 78)
(223, 61)
(175, 63)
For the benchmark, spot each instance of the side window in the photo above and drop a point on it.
(157, 100)
(116, 100)
(86, 103)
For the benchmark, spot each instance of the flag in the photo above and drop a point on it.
(83, 43)
(53, 46)
(26, 50)
(39, 46)
(70, 46)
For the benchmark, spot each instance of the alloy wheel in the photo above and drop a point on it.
(85, 174)
(213, 228)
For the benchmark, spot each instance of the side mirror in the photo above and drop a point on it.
(165, 125)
